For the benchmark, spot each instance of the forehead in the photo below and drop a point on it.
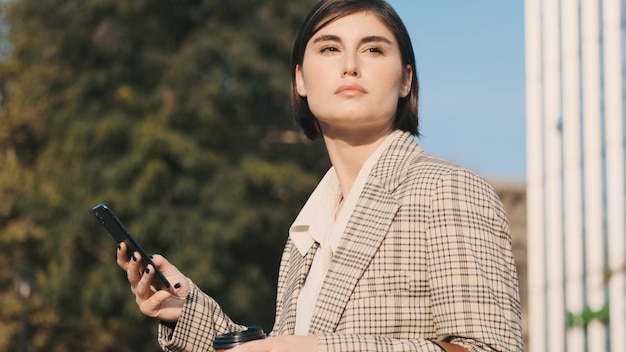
(357, 23)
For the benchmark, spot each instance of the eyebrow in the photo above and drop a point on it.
(367, 39)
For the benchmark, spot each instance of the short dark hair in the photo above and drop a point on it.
(327, 11)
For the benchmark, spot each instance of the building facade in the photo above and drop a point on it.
(575, 79)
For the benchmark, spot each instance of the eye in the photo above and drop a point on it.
(329, 49)
(374, 50)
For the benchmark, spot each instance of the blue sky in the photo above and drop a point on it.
(470, 65)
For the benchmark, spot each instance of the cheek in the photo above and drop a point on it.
(313, 77)
(316, 87)
(399, 87)
(317, 104)
(390, 87)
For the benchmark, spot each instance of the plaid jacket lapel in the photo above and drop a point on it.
(297, 272)
(370, 222)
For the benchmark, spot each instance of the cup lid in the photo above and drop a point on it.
(234, 338)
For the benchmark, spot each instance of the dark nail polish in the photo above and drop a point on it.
(119, 246)
(177, 286)
(147, 270)
(134, 258)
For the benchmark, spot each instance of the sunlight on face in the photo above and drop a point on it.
(352, 74)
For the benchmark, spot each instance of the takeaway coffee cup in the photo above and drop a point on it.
(229, 340)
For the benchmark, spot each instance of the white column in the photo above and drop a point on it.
(572, 170)
(614, 114)
(534, 184)
(592, 159)
(553, 172)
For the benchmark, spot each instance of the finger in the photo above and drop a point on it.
(159, 260)
(135, 269)
(122, 255)
(143, 289)
(179, 283)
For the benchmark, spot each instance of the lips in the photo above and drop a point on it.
(351, 89)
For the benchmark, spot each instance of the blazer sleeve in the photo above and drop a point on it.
(200, 322)
(474, 286)
(472, 277)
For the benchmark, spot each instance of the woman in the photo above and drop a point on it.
(395, 250)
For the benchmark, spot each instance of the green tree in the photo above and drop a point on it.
(177, 114)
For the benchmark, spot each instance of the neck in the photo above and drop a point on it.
(348, 155)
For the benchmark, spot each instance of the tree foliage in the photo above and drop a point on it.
(177, 114)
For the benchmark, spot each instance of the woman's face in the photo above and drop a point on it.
(352, 75)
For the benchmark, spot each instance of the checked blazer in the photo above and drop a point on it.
(426, 256)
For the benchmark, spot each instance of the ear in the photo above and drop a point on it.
(406, 82)
(300, 86)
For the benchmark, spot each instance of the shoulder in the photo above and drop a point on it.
(406, 165)
(434, 177)
(424, 167)
(427, 166)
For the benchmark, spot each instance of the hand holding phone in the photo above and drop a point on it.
(119, 232)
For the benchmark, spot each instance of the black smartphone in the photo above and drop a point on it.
(119, 232)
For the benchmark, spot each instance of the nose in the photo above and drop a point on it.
(351, 66)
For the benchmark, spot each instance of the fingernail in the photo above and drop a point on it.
(177, 286)
(147, 270)
(134, 258)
